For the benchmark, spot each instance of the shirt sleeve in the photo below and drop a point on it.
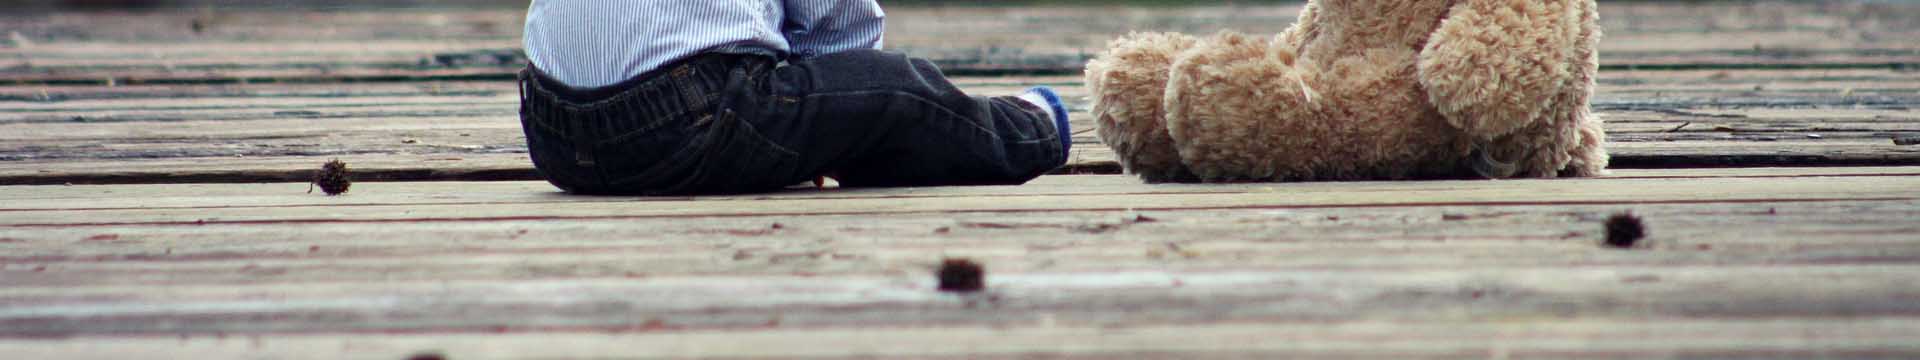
(815, 27)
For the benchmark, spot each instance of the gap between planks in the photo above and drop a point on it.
(1889, 337)
(535, 206)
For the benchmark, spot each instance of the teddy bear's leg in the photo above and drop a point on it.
(1236, 109)
(1588, 152)
(1496, 66)
(1127, 84)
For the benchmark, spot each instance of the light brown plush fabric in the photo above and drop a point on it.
(1361, 89)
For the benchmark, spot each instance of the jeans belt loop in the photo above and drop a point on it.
(577, 129)
(684, 81)
(520, 83)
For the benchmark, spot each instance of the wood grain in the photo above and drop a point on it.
(250, 45)
(210, 118)
(1595, 339)
(1741, 262)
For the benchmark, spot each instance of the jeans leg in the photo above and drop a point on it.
(874, 118)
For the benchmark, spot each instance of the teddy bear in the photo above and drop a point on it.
(1360, 90)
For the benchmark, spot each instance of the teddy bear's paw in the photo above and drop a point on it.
(1173, 174)
(1237, 112)
(1588, 156)
(1496, 66)
(1126, 85)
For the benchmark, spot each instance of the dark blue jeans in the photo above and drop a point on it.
(738, 123)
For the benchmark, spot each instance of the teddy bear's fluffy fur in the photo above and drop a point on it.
(1361, 89)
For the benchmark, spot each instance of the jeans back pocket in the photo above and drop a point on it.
(741, 159)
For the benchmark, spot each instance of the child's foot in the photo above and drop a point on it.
(1044, 98)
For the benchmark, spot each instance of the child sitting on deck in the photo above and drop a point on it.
(689, 97)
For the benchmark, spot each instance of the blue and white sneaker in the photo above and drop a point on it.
(1044, 98)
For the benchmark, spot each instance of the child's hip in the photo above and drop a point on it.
(678, 130)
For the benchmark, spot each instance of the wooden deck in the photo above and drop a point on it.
(152, 205)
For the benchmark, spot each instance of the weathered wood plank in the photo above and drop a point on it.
(51, 264)
(1017, 300)
(256, 45)
(20, 198)
(1884, 337)
(1680, 84)
(1294, 195)
(434, 155)
(1739, 260)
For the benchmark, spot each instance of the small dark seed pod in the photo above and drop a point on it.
(962, 275)
(333, 178)
(1624, 230)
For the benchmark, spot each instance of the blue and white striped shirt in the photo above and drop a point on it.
(593, 43)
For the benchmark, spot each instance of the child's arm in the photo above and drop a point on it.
(815, 27)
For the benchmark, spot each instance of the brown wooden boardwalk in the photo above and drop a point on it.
(152, 206)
